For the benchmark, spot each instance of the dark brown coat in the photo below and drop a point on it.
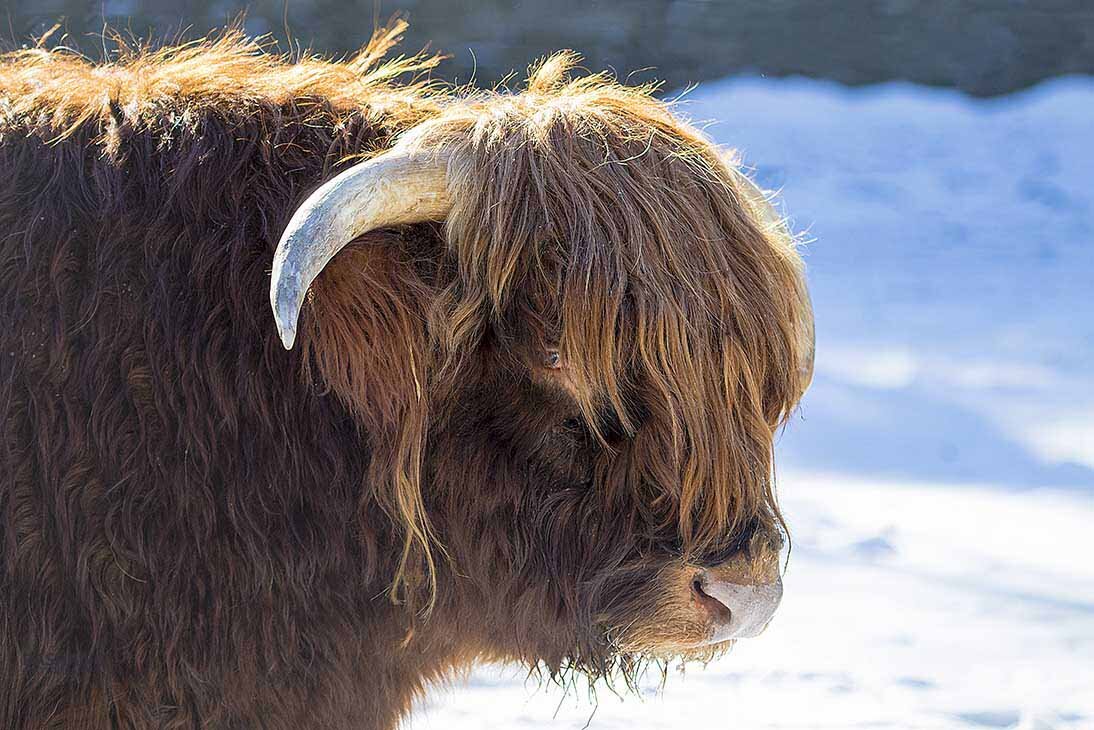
(200, 529)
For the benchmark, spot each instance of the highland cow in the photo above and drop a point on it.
(515, 400)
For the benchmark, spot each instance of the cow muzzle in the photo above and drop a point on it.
(738, 598)
(735, 610)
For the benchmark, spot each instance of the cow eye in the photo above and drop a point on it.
(552, 360)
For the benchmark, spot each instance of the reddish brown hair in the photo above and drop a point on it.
(197, 527)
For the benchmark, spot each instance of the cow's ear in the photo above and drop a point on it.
(363, 329)
(364, 338)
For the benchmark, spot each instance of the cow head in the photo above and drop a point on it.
(570, 328)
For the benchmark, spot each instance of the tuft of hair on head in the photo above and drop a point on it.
(676, 294)
(365, 341)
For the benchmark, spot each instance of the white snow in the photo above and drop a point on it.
(939, 479)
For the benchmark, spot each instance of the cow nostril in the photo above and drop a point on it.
(718, 610)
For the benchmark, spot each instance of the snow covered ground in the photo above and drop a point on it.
(939, 479)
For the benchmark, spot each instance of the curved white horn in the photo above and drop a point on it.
(394, 188)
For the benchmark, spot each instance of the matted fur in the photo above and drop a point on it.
(198, 528)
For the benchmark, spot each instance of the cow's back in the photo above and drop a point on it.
(176, 510)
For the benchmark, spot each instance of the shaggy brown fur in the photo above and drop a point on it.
(199, 529)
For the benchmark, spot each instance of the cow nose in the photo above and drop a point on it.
(737, 610)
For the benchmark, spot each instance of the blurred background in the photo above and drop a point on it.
(935, 156)
(984, 47)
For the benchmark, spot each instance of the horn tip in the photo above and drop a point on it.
(286, 309)
(288, 336)
(286, 325)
